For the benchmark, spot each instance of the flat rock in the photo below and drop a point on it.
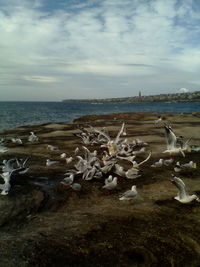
(44, 223)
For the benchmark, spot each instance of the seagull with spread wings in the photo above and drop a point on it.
(171, 140)
(183, 196)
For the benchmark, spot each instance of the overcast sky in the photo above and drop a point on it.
(55, 49)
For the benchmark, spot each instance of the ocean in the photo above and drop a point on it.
(15, 114)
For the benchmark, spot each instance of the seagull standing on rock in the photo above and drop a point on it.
(158, 164)
(110, 183)
(184, 167)
(32, 137)
(51, 162)
(130, 194)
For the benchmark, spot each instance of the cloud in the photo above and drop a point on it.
(127, 42)
(40, 79)
(183, 90)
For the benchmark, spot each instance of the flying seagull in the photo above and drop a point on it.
(183, 196)
(171, 140)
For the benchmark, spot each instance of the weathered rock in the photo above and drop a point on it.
(43, 223)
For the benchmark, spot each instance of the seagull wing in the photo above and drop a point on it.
(181, 187)
(100, 132)
(145, 159)
(170, 137)
(119, 133)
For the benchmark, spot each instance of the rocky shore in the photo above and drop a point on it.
(44, 223)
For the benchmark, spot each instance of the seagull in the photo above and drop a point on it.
(158, 120)
(16, 141)
(53, 148)
(119, 170)
(51, 162)
(132, 173)
(76, 151)
(63, 155)
(69, 160)
(158, 164)
(22, 165)
(190, 165)
(109, 179)
(130, 194)
(7, 176)
(68, 180)
(76, 186)
(8, 165)
(112, 145)
(3, 149)
(184, 144)
(183, 196)
(89, 173)
(195, 148)
(32, 137)
(187, 166)
(110, 183)
(3, 140)
(171, 142)
(106, 168)
(167, 162)
(6, 186)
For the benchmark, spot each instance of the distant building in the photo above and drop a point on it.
(140, 95)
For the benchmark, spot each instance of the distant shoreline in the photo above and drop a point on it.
(178, 97)
(102, 101)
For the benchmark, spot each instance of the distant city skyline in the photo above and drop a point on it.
(54, 50)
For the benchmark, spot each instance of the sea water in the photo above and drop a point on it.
(14, 114)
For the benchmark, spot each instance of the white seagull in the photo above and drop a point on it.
(158, 164)
(63, 155)
(158, 120)
(6, 186)
(3, 149)
(171, 139)
(51, 162)
(132, 173)
(112, 145)
(184, 167)
(53, 148)
(110, 183)
(130, 194)
(183, 196)
(16, 140)
(167, 162)
(76, 186)
(32, 137)
(68, 180)
(69, 160)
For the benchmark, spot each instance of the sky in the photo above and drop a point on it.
(52, 50)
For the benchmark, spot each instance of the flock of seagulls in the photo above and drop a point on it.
(11, 168)
(89, 165)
